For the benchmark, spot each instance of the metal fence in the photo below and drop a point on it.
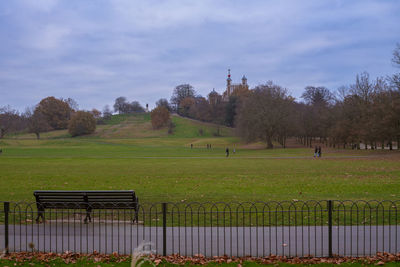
(291, 228)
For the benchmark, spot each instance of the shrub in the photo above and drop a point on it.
(159, 117)
(81, 123)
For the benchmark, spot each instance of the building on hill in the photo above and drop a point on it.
(214, 98)
(233, 89)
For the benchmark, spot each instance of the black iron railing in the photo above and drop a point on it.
(290, 228)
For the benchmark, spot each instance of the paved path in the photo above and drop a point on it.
(236, 241)
(232, 156)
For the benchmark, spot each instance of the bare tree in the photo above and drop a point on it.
(72, 103)
(181, 92)
(319, 99)
(320, 96)
(120, 104)
(263, 113)
(134, 107)
(395, 78)
(396, 55)
(8, 119)
(162, 102)
(107, 112)
(37, 122)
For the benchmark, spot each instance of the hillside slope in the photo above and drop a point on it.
(139, 126)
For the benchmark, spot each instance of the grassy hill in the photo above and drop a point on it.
(139, 126)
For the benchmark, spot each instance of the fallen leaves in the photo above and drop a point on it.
(71, 258)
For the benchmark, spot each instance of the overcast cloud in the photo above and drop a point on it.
(96, 51)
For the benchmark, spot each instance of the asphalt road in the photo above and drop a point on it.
(232, 241)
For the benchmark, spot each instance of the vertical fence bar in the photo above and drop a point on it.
(164, 212)
(330, 228)
(6, 212)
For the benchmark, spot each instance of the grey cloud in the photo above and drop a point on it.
(95, 51)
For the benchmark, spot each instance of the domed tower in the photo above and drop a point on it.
(228, 83)
(214, 98)
(244, 80)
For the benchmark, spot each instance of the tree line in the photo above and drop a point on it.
(365, 112)
(49, 114)
(57, 114)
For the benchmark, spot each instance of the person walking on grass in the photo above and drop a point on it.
(319, 152)
(227, 151)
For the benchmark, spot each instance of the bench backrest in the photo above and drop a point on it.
(86, 199)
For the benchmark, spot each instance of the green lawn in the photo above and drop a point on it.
(163, 168)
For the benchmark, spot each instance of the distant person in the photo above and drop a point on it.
(227, 151)
(316, 152)
(210, 146)
(191, 146)
(319, 152)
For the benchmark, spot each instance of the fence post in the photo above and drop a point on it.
(330, 207)
(6, 212)
(164, 212)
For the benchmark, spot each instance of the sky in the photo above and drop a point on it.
(97, 50)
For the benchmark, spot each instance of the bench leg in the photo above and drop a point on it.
(136, 216)
(40, 214)
(136, 208)
(88, 211)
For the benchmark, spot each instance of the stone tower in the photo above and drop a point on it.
(228, 83)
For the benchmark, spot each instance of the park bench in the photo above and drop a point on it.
(87, 200)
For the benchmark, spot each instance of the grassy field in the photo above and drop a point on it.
(163, 167)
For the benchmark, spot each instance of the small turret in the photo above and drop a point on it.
(244, 80)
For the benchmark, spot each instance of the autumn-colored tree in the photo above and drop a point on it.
(200, 109)
(185, 105)
(96, 113)
(56, 112)
(160, 117)
(81, 123)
